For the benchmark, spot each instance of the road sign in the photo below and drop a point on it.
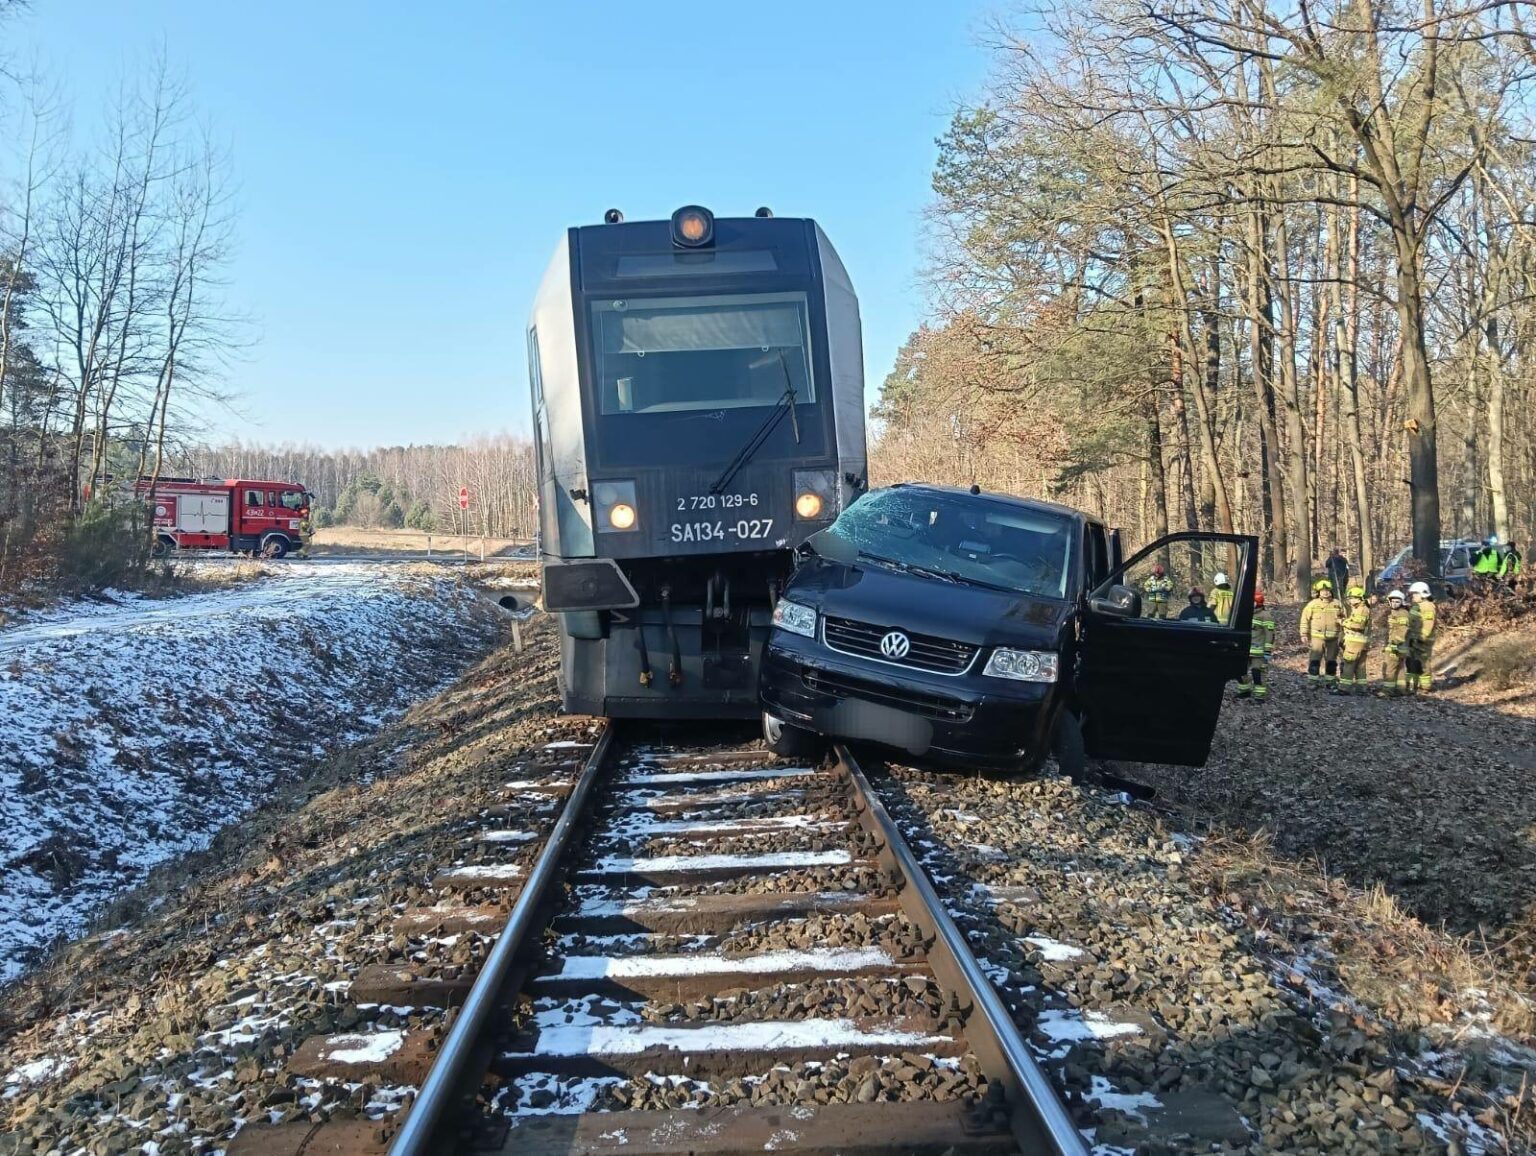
(463, 497)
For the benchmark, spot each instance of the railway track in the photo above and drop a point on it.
(694, 928)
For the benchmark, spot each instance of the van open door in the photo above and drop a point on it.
(1152, 670)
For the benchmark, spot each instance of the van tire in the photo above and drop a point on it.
(787, 741)
(1067, 747)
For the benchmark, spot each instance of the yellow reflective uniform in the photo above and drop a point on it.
(1320, 631)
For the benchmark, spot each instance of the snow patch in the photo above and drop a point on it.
(712, 963)
(619, 864)
(1053, 951)
(362, 1048)
(603, 1040)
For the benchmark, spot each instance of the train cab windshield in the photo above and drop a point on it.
(680, 354)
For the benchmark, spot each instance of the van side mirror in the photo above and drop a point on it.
(1117, 602)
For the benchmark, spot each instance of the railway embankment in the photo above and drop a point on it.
(1190, 983)
(135, 730)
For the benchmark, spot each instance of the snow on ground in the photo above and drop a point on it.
(133, 731)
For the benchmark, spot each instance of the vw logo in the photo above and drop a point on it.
(895, 645)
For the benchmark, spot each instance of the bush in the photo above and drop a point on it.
(392, 517)
(1507, 662)
(345, 503)
(421, 518)
(106, 547)
(323, 517)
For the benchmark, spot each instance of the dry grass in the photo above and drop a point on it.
(354, 540)
(1413, 976)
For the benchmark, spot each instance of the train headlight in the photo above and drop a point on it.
(693, 226)
(614, 506)
(815, 494)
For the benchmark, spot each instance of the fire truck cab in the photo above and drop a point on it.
(241, 516)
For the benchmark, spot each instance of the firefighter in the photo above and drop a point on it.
(1156, 591)
(1357, 640)
(1221, 598)
(1320, 632)
(1394, 655)
(1197, 610)
(1421, 638)
(1261, 645)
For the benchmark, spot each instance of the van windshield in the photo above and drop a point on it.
(965, 538)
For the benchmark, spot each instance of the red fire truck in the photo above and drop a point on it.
(243, 517)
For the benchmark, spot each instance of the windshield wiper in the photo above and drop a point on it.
(910, 567)
(970, 581)
(786, 403)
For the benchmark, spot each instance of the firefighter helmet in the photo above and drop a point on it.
(1357, 591)
(1322, 586)
(1420, 588)
(1157, 570)
(1258, 598)
(1397, 598)
(1196, 592)
(1221, 578)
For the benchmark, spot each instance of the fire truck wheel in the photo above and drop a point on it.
(274, 547)
(162, 548)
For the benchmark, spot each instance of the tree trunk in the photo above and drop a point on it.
(1346, 327)
(1295, 428)
(1496, 492)
(1423, 459)
(1262, 346)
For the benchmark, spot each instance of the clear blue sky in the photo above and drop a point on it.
(404, 171)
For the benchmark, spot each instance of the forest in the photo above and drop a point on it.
(1244, 266)
(1225, 264)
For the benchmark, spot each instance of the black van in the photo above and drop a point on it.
(973, 629)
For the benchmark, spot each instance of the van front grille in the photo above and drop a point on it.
(926, 652)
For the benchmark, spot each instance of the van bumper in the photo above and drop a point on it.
(963, 721)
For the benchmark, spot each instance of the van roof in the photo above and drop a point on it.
(994, 496)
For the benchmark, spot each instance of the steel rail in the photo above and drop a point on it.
(1039, 1120)
(417, 1136)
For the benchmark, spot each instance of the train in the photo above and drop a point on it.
(697, 385)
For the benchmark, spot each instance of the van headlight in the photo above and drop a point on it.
(1023, 665)
(795, 618)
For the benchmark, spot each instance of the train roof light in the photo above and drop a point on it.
(693, 227)
(613, 217)
(763, 211)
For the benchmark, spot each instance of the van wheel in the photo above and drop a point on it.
(1067, 746)
(788, 742)
(274, 547)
